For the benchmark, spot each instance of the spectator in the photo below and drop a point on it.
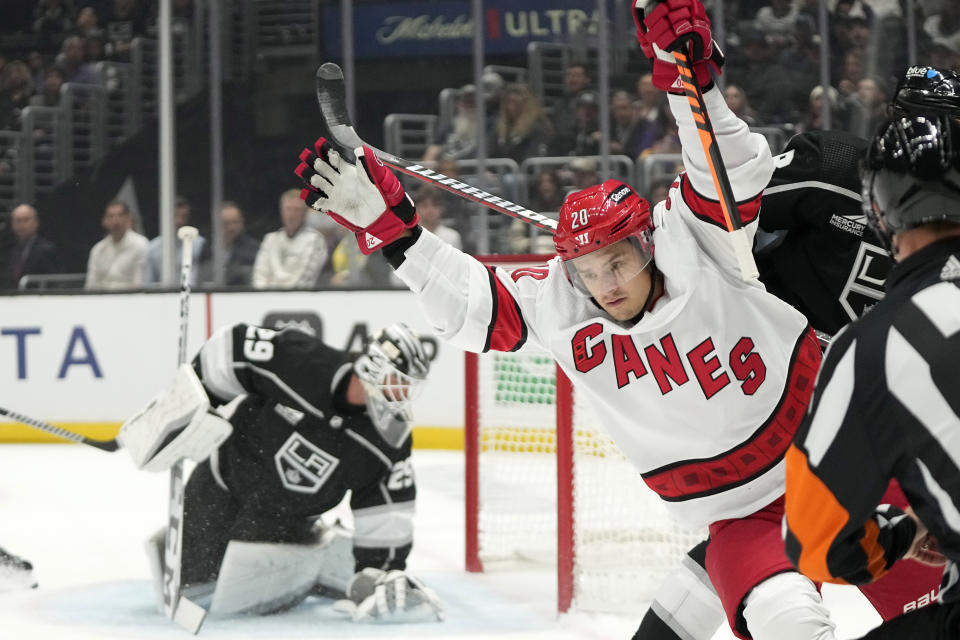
(241, 247)
(88, 24)
(868, 106)
(652, 113)
(858, 9)
(669, 142)
(458, 139)
(583, 172)
(49, 95)
(294, 255)
(576, 80)
(769, 81)
(154, 269)
(430, 206)
(547, 193)
(461, 212)
(547, 197)
(941, 56)
(127, 21)
(94, 49)
(854, 70)
(16, 87)
(737, 101)
(117, 261)
(813, 121)
(52, 19)
(521, 129)
(353, 269)
(33, 254)
(586, 133)
(660, 189)
(36, 65)
(778, 21)
(943, 27)
(72, 63)
(623, 125)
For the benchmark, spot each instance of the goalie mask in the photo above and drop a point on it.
(392, 370)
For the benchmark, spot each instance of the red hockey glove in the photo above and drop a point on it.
(669, 25)
(364, 197)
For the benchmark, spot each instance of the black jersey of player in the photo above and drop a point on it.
(297, 447)
(829, 264)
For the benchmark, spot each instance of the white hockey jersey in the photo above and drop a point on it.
(705, 392)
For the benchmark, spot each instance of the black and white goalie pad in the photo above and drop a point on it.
(377, 596)
(175, 424)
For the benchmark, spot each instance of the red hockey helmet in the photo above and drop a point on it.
(598, 217)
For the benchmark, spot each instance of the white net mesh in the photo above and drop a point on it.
(624, 542)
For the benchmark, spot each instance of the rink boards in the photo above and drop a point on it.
(87, 362)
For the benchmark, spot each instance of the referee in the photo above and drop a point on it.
(887, 401)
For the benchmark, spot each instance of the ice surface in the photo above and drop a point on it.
(81, 517)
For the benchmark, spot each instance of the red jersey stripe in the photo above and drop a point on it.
(764, 449)
(711, 211)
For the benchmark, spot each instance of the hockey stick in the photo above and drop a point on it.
(103, 445)
(728, 204)
(178, 608)
(331, 97)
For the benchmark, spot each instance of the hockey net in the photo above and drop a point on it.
(545, 483)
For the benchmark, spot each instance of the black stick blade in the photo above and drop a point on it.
(332, 100)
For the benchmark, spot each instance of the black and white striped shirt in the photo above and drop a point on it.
(886, 406)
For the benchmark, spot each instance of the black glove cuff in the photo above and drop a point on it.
(395, 252)
(405, 209)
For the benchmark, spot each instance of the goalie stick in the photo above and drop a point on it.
(339, 131)
(103, 445)
(178, 608)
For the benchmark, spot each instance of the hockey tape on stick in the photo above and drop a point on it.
(182, 611)
(103, 445)
(339, 131)
(708, 139)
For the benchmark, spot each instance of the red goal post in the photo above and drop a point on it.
(546, 484)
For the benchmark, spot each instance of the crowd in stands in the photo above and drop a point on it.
(773, 82)
(65, 39)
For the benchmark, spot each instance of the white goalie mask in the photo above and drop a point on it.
(392, 370)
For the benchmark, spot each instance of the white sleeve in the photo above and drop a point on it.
(467, 304)
(749, 166)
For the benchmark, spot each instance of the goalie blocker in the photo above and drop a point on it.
(314, 423)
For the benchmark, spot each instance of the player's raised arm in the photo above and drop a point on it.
(663, 27)
(472, 306)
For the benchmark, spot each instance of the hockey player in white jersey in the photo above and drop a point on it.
(700, 377)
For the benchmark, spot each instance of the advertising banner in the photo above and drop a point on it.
(445, 27)
(93, 361)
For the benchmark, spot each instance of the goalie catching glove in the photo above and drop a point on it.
(364, 197)
(668, 25)
(389, 597)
